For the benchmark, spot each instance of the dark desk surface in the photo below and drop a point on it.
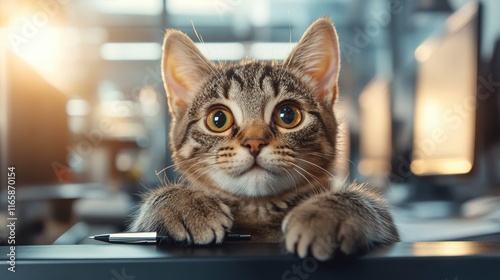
(425, 260)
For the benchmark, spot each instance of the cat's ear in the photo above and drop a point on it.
(317, 55)
(183, 67)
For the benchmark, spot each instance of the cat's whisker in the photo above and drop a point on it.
(285, 69)
(303, 176)
(171, 166)
(331, 176)
(157, 173)
(209, 169)
(326, 156)
(164, 180)
(203, 170)
(290, 175)
(346, 177)
(142, 193)
(317, 166)
(163, 171)
(317, 188)
(307, 173)
(288, 60)
(350, 162)
(143, 186)
(200, 38)
(197, 163)
(273, 183)
(293, 180)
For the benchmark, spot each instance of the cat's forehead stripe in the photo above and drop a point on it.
(231, 74)
(264, 74)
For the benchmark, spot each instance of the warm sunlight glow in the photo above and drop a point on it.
(47, 52)
(34, 31)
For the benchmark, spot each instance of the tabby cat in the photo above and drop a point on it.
(255, 142)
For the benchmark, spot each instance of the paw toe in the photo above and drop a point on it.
(291, 239)
(304, 244)
(322, 250)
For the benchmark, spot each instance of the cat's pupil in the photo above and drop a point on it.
(219, 119)
(287, 115)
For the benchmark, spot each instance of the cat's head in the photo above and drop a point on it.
(254, 128)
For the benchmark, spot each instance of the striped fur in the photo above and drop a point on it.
(258, 176)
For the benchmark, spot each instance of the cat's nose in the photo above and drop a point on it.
(254, 145)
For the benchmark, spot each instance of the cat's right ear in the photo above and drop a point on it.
(183, 67)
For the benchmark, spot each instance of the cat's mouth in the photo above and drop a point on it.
(255, 168)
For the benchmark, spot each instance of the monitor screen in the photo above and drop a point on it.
(445, 112)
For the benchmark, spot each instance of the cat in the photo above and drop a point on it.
(255, 142)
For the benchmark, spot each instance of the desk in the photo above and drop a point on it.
(423, 260)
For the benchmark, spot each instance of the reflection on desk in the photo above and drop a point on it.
(424, 260)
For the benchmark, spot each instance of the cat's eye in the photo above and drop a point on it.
(287, 116)
(219, 120)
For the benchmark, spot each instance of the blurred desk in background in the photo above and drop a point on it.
(65, 213)
(433, 221)
(424, 260)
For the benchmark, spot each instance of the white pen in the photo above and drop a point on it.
(152, 238)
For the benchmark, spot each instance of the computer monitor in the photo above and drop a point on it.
(446, 154)
(34, 133)
(445, 103)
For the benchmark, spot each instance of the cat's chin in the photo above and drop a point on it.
(255, 182)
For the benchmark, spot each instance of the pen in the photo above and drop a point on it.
(152, 238)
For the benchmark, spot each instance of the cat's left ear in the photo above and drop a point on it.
(317, 55)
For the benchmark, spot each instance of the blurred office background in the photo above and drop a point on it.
(84, 118)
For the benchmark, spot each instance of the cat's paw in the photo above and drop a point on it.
(328, 225)
(186, 216)
(310, 230)
(201, 220)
